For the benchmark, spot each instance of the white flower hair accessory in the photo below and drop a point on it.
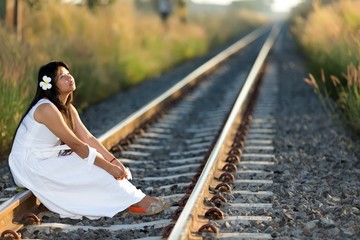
(45, 83)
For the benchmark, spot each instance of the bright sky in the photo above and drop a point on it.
(284, 5)
(220, 2)
(278, 5)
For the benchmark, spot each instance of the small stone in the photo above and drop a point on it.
(311, 225)
(355, 210)
(274, 224)
(288, 216)
(333, 232)
(328, 223)
(346, 232)
(355, 229)
(227, 225)
(269, 229)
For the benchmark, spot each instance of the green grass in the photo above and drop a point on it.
(12, 105)
(330, 37)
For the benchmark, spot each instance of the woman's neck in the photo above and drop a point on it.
(63, 98)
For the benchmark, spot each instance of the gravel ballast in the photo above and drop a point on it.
(316, 183)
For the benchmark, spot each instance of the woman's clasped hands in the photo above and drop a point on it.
(119, 171)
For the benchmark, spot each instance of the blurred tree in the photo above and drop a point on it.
(32, 3)
(144, 5)
(13, 15)
(2, 10)
(325, 1)
(95, 3)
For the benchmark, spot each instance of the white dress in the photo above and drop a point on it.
(68, 185)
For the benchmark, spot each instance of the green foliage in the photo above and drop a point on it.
(349, 99)
(330, 36)
(12, 105)
(96, 3)
(2, 10)
(14, 78)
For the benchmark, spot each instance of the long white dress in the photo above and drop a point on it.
(68, 185)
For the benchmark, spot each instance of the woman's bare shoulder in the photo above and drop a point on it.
(44, 111)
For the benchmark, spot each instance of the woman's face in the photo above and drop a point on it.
(65, 82)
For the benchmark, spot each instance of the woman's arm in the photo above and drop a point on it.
(51, 117)
(84, 134)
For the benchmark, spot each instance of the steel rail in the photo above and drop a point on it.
(25, 201)
(188, 216)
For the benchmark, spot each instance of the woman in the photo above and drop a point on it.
(53, 155)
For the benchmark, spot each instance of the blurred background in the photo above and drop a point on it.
(112, 45)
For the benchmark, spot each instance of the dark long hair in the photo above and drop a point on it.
(50, 70)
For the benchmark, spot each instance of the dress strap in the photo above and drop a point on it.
(41, 101)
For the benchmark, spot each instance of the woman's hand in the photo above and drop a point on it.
(118, 170)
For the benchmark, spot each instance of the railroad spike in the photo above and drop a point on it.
(11, 234)
(235, 151)
(230, 167)
(214, 214)
(227, 177)
(30, 219)
(233, 159)
(218, 200)
(208, 228)
(223, 187)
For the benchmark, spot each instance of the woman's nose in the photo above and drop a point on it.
(68, 77)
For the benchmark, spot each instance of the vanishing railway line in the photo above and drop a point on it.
(186, 146)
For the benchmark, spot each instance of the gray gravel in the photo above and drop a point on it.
(317, 178)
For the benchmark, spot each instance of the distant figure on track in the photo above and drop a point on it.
(63, 164)
(164, 8)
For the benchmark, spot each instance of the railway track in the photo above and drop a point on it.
(186, 146)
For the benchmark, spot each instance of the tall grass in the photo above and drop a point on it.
(330, 36)
(346, 107)
(108, 49)
(15, 76)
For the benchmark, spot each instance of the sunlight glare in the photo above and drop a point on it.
(219, 2)
(284, 5)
